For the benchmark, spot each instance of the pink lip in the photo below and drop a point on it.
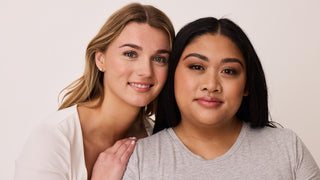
(140, 87)
(209, 102)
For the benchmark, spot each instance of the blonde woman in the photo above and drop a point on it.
(103, 112)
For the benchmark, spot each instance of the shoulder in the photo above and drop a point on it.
(61, 116)
(147, 154)
(281, 135)
(62, 123)
(151, 146)
(58, 129)
(49, 143)
(285, 142)
(154, 140)
(281, 141)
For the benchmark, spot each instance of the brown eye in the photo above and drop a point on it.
(196, 67)
(229, 71)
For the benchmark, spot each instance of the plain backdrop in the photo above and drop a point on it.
(42, 47)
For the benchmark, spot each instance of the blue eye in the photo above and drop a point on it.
(160, 60)
(196, 67)
(229, 71)
(130, 54)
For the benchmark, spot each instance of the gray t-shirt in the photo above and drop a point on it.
(267, 153)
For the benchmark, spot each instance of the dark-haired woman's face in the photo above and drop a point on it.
(210, 81)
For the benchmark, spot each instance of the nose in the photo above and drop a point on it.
(211, 83)
(144, 67)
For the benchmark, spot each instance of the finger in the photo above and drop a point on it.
(126, 155)
(123, 148)
(116, 145)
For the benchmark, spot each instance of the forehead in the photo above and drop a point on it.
(215, 47)
(142, 34)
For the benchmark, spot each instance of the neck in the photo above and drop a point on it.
(209, 142)
(102, 126)
(108, 122)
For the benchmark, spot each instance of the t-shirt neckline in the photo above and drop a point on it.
(230, 152)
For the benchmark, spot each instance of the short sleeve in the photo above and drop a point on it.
(306, 167)
(46, 155)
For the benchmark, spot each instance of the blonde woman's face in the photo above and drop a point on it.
(135, 64)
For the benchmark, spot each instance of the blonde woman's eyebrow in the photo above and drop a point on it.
(132, 46)
(163, 51)
(160, 51)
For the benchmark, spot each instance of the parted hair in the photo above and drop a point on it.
(254, 107)
(90, 85)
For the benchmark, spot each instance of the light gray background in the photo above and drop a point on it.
(42, 46)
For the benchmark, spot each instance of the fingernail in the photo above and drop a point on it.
(132, 138)
(132, 142)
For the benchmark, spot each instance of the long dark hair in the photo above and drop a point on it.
(254, 107)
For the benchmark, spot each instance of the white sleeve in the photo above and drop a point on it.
(46, 155)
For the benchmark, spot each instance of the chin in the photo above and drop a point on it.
(209, 121)
(140, 103)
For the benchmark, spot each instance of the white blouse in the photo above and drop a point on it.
(55, 150)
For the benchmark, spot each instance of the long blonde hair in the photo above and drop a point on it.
(90, 85)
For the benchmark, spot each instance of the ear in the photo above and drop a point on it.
(246, 92)
(100, 60)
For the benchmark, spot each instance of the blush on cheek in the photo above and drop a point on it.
(163, 71)
(121, 69)
(163, 76)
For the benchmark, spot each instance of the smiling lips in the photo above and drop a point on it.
(140, 87)
(209, 102)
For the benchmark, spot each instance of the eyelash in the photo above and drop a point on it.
(228, 71)
(163, 60)
(196, 67)
(130, 54)
(158, 59)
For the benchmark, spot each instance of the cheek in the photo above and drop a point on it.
(177, 86)
(242, 87)
(178, 79)
(160, 74)
(184, 90)
(118, 68)
(184, 85)
(235, 90)
(179, 94)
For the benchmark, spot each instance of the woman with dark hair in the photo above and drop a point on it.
(212, 120)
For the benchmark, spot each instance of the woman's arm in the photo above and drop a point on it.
(46, 155)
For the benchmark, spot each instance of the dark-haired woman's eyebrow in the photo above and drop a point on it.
(232, 60)
(202, 57)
